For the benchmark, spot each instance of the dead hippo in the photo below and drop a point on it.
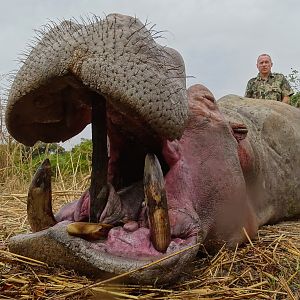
(208, 176)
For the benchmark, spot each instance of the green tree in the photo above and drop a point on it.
(41, 149)
(82, 155)
(294, 80)
(64, 164)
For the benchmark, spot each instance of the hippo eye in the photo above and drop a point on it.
(210, 98)
(239, 131)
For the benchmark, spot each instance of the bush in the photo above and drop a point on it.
(295, 100)
(70, 169)
(294, 80)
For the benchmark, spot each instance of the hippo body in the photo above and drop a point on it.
(269, 155)
(224, 172)
(221, 183)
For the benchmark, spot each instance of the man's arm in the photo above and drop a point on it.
(286, 99)
(249, 91)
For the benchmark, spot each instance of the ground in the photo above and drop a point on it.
(267, 268)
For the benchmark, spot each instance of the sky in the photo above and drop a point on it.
(218, 39)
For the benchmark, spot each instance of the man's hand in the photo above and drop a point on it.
(286, 99)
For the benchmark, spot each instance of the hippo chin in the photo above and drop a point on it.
(181, 172)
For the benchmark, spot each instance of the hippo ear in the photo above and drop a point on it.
(239, 130)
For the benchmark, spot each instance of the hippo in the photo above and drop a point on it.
(183, 171)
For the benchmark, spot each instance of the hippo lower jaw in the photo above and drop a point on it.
(127, 247)
(57, 248)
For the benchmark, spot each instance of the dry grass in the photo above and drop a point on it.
(268, 268)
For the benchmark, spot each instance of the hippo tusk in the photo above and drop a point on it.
(156, 201)
(98, 187)
(39, 206)
(89, 231)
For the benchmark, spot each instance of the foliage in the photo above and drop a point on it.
(18, 163)
(82, 153)
(41, 148)
(294, 80)
(71, 169)
(64, 163)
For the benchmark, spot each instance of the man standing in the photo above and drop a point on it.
(268, 85)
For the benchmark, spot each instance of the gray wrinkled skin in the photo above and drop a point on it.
(274, 139)
(116, 57)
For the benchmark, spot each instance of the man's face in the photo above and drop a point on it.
(264, 65)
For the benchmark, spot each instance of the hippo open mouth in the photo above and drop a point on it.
(129, 234)
(113, 74)
(168, 170)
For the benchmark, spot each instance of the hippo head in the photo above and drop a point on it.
(116, 61)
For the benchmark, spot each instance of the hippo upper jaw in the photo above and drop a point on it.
(116, 58)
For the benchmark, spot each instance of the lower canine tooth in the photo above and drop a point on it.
(156, 201)
(39, 206)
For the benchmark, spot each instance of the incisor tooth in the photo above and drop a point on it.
(156, 201)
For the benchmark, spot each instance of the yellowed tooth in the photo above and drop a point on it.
(39, 200)
(156, 201)
(89, 231)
